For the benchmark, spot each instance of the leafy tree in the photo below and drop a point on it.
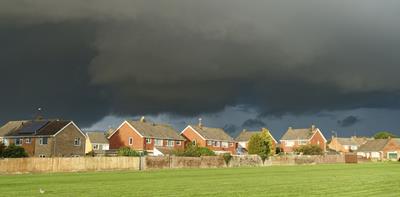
(309, 149)
(384, 135)
(192, 150)
(2, 148)
(126, 151)
(14, 151)
(261, 144)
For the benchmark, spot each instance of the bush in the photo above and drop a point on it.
(14, 151)
(194, 151)
(126, 151)
(227, 157)
(384, 135)
(2, 148)
(309, 149)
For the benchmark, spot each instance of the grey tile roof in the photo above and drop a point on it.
(246, 135)
(373, 145)
(11, 126)
(297, 134)
(97, 137)
(212, 133)
(397, 140)
(347, 141)
(153, 130)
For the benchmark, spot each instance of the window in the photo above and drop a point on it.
(18, 142)
(170, 143)
(6, 142)
(158, 142)
(209, 142)
(77, 141)
(28, 140)
(231, 144)
(194, 142)
(96, 147)
(130, 140)
(216, 144)
(318, 142)
(353, 147)
(224, 144)
(43, 140)
(178, 143)
(148, 140)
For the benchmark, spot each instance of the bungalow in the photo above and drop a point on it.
(216, 139)
(45, 138)
(346, 145)
(146, 136)
(380, 149)
(294, 138)
(243, 139)
(96, 141)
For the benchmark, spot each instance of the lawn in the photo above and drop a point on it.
(379, 179)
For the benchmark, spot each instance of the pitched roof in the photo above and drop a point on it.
(397, 140)
(246, 135)
(34, 127)
(347, 141)
(298, 134)
(10, 126)
(153, 130)
(373, 145)
(212, 133)
(97, 137)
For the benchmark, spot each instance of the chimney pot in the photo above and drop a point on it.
(142, 119)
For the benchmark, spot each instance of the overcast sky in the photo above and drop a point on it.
(237, 64)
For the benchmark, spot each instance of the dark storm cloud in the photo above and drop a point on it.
(253, 124)
(348, 121)
(231, 129)
(87, 59)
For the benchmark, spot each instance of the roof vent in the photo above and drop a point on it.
(200, 123)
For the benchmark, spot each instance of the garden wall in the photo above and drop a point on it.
(63, 164)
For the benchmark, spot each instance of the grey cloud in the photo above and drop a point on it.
(192, 57)
(348, 121)
(253, 124)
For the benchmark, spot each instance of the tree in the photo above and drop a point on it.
(309, 149)
(2, 148)
(14, 151)
(384, 135)
(261, 144)
(192, 150)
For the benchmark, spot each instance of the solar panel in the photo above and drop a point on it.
(32, 127)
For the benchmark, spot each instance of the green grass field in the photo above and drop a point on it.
(380, 179)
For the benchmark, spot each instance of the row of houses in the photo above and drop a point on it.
(61, 138)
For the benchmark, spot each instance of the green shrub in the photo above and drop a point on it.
(14, 151)
(2, 148)
(194, 151)
(227, 157)
(309, 149)
(126, 151)
(384, 135)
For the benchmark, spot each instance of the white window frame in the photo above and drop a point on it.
(42, 139)
(170, 143)
(224, 144)
(6, 142)
(210, 142)
(28, 140)
(130, 140)
(95, 146)
(289, 143)
(77, 141)
(217, 144)
(19, 140)
(148, 140)
(194, 142)
(158, 142)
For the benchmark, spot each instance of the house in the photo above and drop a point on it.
(243, 139)
(142, 135)
(380, 149)
(96, 141)
(346, 145)
(216, 139)
(294, 138)
(45, 138)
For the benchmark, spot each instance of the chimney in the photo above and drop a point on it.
(142, 119)
(290, 128)
(200, 123)
(312, 127)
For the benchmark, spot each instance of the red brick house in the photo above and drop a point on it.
(380, 149)
(147, 136)
(215, 139)
(243, 138)
(45, 138)
(294, 138)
